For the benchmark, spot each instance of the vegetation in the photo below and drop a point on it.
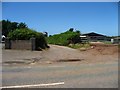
(65, 38)
(107, 42)
(69, 38)
(78, 45)
(20, 31)
(26, 34)
(8, 26)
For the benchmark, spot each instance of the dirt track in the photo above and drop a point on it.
(100, 53)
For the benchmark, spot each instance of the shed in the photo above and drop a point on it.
(95, 36)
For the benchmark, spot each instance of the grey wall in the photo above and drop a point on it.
(20, 44)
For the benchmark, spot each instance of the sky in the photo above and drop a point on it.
(58, 17)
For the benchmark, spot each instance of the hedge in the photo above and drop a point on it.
(26, 34)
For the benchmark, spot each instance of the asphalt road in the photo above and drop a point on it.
(73, 74)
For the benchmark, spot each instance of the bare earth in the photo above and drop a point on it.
(98, 54)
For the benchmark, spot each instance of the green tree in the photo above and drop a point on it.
(71, 29)
(22, 25)
(14, 25)
(8, 26)
(77, 31)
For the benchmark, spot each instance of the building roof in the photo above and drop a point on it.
(93, 34)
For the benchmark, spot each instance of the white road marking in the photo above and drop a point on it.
(35, 85)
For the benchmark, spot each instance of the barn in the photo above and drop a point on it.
(95, 36)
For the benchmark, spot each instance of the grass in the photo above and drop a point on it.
(107, 42)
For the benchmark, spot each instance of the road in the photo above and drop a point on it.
(74, 75)
(102, 72)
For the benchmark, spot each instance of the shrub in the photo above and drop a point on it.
(64, 38)
(23, 34)
(26, 34)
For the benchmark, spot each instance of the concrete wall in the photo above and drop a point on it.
(20, 44)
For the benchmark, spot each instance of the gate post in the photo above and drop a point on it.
(33, 44)
(7, 43)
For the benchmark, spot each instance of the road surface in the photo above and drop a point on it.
(74, 75)
(77, 74)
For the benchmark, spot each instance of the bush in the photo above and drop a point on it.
(64, 39)
(26, 34)
(23, 34)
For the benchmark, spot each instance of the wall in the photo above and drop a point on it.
(20, 44)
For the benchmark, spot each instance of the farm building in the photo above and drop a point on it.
(95, 36)
(116, 40)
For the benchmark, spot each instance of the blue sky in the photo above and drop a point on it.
(57, 17)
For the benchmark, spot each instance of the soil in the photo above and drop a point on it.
(101, 53)
(97, 53)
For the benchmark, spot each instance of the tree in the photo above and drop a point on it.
(50, 35)
(22, 25)
(46, 34)
(71, 29)
(14, 25)
(8, 26)
(77, 31)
